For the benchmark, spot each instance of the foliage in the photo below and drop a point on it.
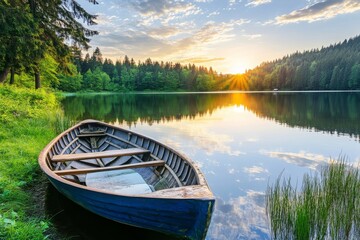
(336, 67)
(20, 42)
(70, 82)
(126, 75)
(328, 206)
(31, 29)
(25, 129)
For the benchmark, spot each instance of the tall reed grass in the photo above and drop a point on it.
(326, 207)
(62, 122)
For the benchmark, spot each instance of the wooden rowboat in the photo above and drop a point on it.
(129, 178)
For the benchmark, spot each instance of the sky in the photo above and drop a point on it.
(229, 35)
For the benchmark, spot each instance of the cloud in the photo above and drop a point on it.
(302, 159)
(163, 32)
(213, 14)
(163, 10)
(201, 60)
(320, 11)
(162, 29)
(210, 33)
(252, 36)
(255, 170)
(203, 138)
(255, 3)
(166, 41)
(243, 217)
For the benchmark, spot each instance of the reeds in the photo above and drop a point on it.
(62, 122)
(326, 207)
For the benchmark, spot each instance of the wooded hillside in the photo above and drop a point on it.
(336, 67)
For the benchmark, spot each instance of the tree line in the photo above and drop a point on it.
(94, 73)
(336, 67)
(41, 42)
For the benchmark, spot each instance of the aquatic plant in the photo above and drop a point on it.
(326, 207)
(62, 122)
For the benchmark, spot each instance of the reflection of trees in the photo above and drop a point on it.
(331, 112)
(148, 108)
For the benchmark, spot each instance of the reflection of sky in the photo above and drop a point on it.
(240, 154)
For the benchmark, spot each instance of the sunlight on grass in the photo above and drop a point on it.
(327, 207)
(26, 127)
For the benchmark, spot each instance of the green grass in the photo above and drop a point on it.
(27, 125)
(327, 207)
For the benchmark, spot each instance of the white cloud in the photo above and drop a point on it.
(163, 10)
(213, 14)
(252, 36)
(255, 170)
(232, 171)
(303, 159)
(210, 33)
(255, 3)
(163, 32)
(200, 60)
(243, 217)
(232, 2)
(317, 11)
(166, 40)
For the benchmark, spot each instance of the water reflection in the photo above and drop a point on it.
(241, 142)
(335, 112)
(303, 159)
(240, 218)
(74, 222)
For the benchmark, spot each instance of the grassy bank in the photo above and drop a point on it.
(327, 207)
(27, 125)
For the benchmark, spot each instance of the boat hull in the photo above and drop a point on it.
(182, 208)
(185, 218)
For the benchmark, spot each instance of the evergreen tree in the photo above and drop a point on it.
(52, 23)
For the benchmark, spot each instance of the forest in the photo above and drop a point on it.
(42, 49)
(336, 67)
(93, 73)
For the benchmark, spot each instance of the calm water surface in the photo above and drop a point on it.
(241, 141)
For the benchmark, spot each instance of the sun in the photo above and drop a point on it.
(236, 69)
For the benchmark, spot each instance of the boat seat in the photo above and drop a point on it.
(125, 181)
(104, 154)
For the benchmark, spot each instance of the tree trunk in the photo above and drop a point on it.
(37, 80)
(3, 74)
(12, 76)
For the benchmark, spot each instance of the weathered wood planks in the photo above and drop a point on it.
(92, 155)
(100, 169)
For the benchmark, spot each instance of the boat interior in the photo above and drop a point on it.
(117, 160)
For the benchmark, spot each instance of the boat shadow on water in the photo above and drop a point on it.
(71, 221)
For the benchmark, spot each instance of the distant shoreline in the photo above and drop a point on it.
(68, 94)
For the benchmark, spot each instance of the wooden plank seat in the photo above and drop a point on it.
(125, 181)
(101, 169)
(104, 154)
(86, 135)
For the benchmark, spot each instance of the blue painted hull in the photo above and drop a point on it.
(188, 218)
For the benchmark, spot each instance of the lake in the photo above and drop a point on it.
(241, 141)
